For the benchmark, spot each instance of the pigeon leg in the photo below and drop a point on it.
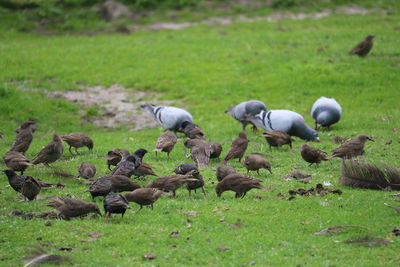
(254, 128)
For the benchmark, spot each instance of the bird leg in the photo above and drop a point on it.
(109, 167)
(70, 151)
(76, 150)
(204, 191)
(254, 128)
(309, 165)
(258, 172)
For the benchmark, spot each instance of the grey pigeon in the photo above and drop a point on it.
(241, 111)
(170, 118)
(286, 121)
(325, 112)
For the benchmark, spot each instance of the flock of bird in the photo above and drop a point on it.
(280, 126)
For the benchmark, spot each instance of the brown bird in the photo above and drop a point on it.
(120, 183)
(24, 137)
(115, 155)
(238, 183)
(363, 48)
(277, 139)
(185, 168)
(238, 148)
(144, 196)
(191, 130)
(16, 161)
(144, 169)
(352, 148)
(30, 188)
(78, 140)
(199, 151)
(216, 149)
(166, 142)
(199, 183)
(86, 170)
(312, 155)
(100, 187)
(223, 171)
(30, 123)
(69, 207)
(171, 183)
(51, 152)
(115, 203)
(255, 161)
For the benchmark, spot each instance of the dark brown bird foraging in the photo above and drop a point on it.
(77, 140)
(31, 123)
(277, 139)
(69, 207)
(199, 183)
(114, 156)
(30, 188)
(171, 183)
(144, 169)
(199, 151)
(24, 137)
(223, 171)
(238, 183)
(191, 130)
(16, 161)
(312, 155)
(87, 170)
(185, 168)
(144, 196)
(352, 148)
(51, 152)
(100, 187)
(363, 48)
(120, 183)
(115, 203)
(255, 162)
(238, 148)
(216, 149)
(166, 142)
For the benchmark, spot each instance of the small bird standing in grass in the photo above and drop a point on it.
(363, 48)
(78, 140)
(352, 148)
(115, 203)
(144, 196)
(277, 139)
(69, 207)
(115, 155)
(16, 161)
(171, 183)
(238, 183)
(51, 152)
(24, 137)
(312, 155)
(166, 142)
(223, 171)
(28, 186)
(125, 167)
(238, 148)
(86, 170)
(255, 162)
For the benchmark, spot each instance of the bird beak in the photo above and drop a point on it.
(317, 139)
(370, 138)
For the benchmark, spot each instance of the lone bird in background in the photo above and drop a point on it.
(51, 152)
(352, 148)
(312, 155)
(223, 171)
(16, 161)
(242, 111)
(286, 121)
(114, 156)
(363, 48)
(126, 167)
(144, 196)
(69, 207)
(166, 142)
(24, 137)
(325, 112)
(28, 186)
(78, 140)
(238, 183)
(238, 148)
(192, 130)
(100, 187)
(255, 162)
(277, 139)
(170, 118)
(171, 183)
(115, 203)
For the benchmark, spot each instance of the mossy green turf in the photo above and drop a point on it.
(205, 69)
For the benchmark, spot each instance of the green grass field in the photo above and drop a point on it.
(205, 69)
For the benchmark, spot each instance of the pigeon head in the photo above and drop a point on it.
(140, 152)
(185, 124)
(230, 110)
(326, 118)
(363, 138)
